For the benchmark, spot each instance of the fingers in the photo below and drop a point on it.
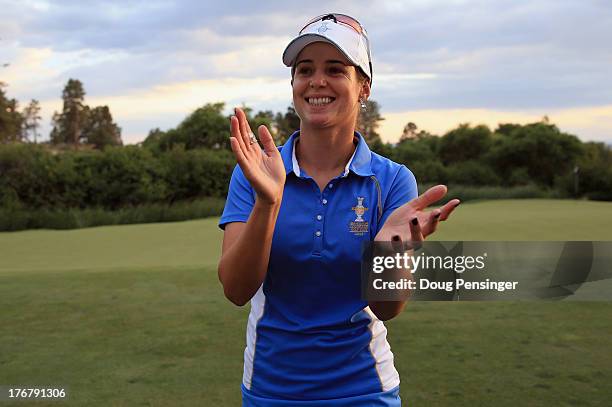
(432, 222)
(238, 152)
(429, 197)
(416, 237)
(267, 141)
(447, 209)
(235, 132)
(397, 244)
(415, 230)
(245, 130)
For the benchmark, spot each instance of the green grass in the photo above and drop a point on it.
(135, 315)
(529, 219)
(150, 246)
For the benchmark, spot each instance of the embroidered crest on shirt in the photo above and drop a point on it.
(359, 226)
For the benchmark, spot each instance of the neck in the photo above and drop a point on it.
(324, 150)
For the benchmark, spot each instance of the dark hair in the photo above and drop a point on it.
(362, 76)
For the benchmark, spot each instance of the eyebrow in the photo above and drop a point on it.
(329, 61)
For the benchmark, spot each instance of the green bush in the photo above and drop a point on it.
(430, 171)
(465, 143)
(21, 219)
(593, 178)
(472, 193)
(193, 173)
(119, 176)
(519, 176)
(35, 177)
(472, 173)
(540, 148)
(30, 176)
(420, 156)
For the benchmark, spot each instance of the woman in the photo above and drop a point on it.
(294, 222)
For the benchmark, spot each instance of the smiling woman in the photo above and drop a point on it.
(327, 90)
(294, 222)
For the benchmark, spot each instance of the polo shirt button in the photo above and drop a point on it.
(331, 185)
(318, 233)
(324, 201)
(319, 217)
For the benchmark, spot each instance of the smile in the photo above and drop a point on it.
(320, 101)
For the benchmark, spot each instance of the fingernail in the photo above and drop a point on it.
(395, 238)
(458, 204)
(415, 221)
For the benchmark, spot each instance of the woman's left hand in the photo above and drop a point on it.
(410, 222)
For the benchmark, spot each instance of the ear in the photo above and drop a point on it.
(365, 90)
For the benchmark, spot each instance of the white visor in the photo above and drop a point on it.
(348, 41)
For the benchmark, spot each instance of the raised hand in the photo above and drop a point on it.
(410, 222)
(263, 168)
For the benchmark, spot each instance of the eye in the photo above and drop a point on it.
(304, 70)
(336, 70)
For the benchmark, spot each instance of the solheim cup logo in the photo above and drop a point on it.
(323, 27)
(359, 209)
(359, 227)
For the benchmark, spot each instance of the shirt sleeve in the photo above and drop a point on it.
(240, 199)
(403, 190)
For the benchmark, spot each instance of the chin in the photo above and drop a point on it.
(318, 122)
(320, 119)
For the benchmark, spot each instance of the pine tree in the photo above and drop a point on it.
(10, 118)
(100, 130)
(68, 125)
(31, 121)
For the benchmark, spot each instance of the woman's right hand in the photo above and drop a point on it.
(264, 169)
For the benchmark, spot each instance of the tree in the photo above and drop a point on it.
(506, 129)
(263, 117)
(595, 171)
(100, 130)
(541, 149)
(68, 125)
(31, 120)
(154, 140)
(420, 154)
(285, 124)
(205, 127)
(465, 143)
(367, 123)
(10, 118)
(409, 132)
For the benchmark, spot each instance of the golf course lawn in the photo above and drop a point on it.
(135, 316)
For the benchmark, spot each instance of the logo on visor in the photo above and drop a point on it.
(359, 226)
(323, 27)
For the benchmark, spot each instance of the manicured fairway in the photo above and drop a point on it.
(529, 219)
(135, 315)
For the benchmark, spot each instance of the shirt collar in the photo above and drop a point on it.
(360, 162)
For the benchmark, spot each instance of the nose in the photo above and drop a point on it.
(318, 81)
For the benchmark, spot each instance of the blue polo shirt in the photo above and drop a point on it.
(311, 339)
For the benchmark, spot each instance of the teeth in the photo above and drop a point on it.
(319, 101)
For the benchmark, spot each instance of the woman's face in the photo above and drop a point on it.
(326, 87)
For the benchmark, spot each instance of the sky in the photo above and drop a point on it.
(436, 63)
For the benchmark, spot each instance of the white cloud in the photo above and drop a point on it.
(152, 62)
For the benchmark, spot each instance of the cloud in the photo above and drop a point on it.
(438, 56)
(164, 106)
